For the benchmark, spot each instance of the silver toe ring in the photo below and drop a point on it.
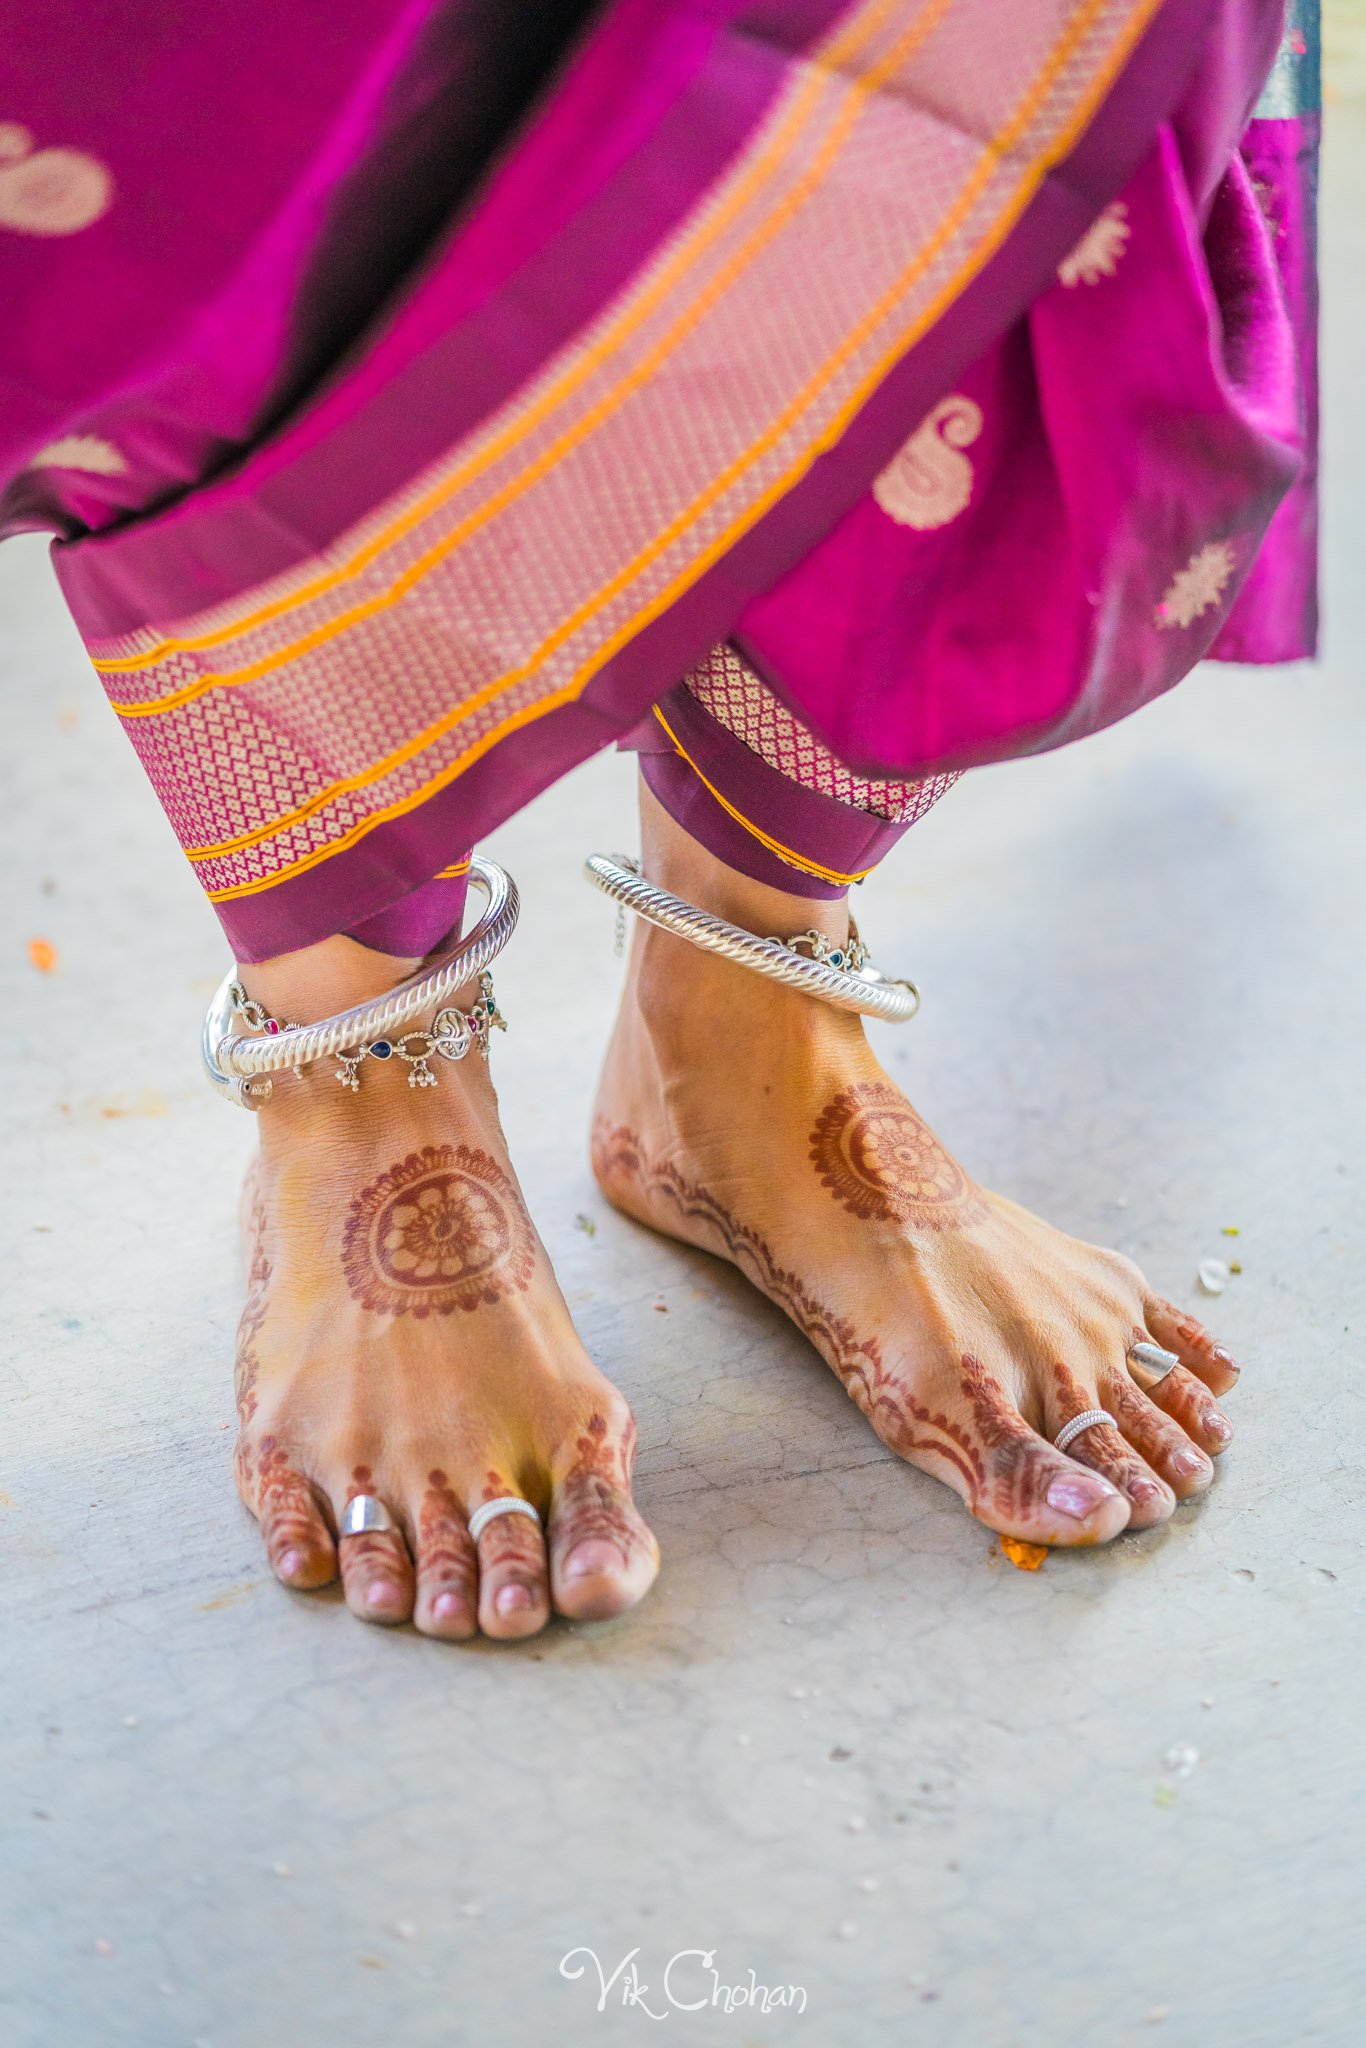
(1070, 1431)
(1150, 1364)
(506, 1504)
(364, 1513)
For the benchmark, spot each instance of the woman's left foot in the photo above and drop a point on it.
(756, 1123)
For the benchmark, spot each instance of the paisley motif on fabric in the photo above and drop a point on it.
(930, 482)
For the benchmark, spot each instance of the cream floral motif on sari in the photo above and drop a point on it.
(1199, 585)
(1098, 252)
(81, 451)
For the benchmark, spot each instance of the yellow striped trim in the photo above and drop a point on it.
(707, 232)
(1030, 179)
(775, 846)
(452, 874)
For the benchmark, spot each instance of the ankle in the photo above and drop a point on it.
(317, 981)
(672, 859)
(317, 1104)
(698, 1010)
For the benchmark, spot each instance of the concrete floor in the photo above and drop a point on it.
(844, 1744)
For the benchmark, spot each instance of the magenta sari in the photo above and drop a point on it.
(426, 404)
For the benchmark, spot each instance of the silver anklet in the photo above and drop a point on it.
(842, 975)
(239, 1065)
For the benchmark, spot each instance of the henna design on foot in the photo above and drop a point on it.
(905, 1424)
(443, 1229)
(883, 1164)
(247, 1361)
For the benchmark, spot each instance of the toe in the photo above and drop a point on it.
(1158, 1438)
(293, 1527)
(1013, 1479)
(514, 1587)
(603, 1556)
(376, 1569)
(1038, 1493)
(1189, 1401)
(447, 1602)
(1103, 1449)
(1191, 1341)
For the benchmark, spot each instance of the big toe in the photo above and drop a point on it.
(603, 1555)
(1028, 1489)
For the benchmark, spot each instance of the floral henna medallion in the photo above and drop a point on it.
(443, 1229)
(883, 1164)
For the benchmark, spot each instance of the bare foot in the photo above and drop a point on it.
(756, 1123)
(404, 1336)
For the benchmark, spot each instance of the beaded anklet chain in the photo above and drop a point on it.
(452, 1034)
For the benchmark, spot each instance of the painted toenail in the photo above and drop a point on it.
(382, 1593)
(1144, 1489)
(291, 1564)
(1191, 1462)
(1226, 1359)
(596, 1555)
(446, 1606)
(1219, 1427)
(513, 1599)
(1079, 1497)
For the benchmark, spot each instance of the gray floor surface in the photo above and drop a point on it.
(844, 1745)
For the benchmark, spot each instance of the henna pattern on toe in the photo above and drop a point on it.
(284, 1504)
(1183, 1333)
(883, 1164)
(446, 1556)
(594, 1497)
(1107, 1450)
(443, 1229)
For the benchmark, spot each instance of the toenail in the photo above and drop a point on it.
(597, 1555)
(1219, 1427)
(513, 1599)
(1144, 1489)
(291, 1564)
(1191, 1462)
(446, 1606)
(1226, 1359)
(1079, 1497)
(382, 1593)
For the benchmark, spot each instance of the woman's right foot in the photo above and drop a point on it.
(404, 1336)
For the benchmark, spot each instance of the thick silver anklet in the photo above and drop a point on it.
(239, 1066)
(844, 976)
